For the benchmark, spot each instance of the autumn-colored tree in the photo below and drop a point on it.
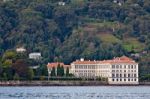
(21, 68)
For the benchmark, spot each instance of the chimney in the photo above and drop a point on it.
(82, 59)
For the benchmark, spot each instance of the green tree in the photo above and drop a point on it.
(16, 77)
(7, 63)
(58, 70)
(61, 71)
(67, 71)
(9, 55)
(30, 74)
(53, 73)
(5, 76)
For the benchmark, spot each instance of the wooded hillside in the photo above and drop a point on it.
(92, 29)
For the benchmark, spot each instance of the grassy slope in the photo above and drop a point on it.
(133, 44)
(129, 43)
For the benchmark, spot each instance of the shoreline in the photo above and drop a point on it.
(66, 83)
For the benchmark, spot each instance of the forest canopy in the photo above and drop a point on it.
(92, 29)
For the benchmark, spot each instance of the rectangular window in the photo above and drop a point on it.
(124, 75)
(113, 70)
(124, 79)
(120, 66)
(113, 66)
(124, 66)
(134, 75)
(113, 75)
(113, 79)
(134, 66)
(128, 75)
(117, 66)
(129, 66)
(134, 70)
(117, 75)
(120, 75)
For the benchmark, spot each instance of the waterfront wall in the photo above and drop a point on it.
(52, 83)
(61, 83)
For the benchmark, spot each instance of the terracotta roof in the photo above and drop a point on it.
(86, 62)
(122, 59)
(55, 64)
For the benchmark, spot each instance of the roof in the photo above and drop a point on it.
(85, 62)
(122, 59)
(55, 64)
(35, 53)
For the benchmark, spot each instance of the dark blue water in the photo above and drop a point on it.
(101, 92)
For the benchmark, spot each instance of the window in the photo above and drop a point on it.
(124, 75)
(116, 79)
(129, 66)
(135, 66)
(134, 70)
(128, 79)
(113, 79)
(120, 66)
(117, 66)
(134, 75)
(120, 75)
(124, 79)
(134, 79)
(120, 79)
(113, 75)
(124, 66)
(117, 75)
(113, 66)
(128, 75)
(113, 70)
(132, 66)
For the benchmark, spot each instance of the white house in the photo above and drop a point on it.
(35, 55)
(61, 3)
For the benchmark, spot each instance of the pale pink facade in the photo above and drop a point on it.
(120, 70)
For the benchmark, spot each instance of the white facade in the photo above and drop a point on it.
(61, 3)
(124, 73)
(35, 56)
(121, 70)
(20, 50)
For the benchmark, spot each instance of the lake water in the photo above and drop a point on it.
(76, 92)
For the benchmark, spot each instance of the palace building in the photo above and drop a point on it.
(120, 70)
